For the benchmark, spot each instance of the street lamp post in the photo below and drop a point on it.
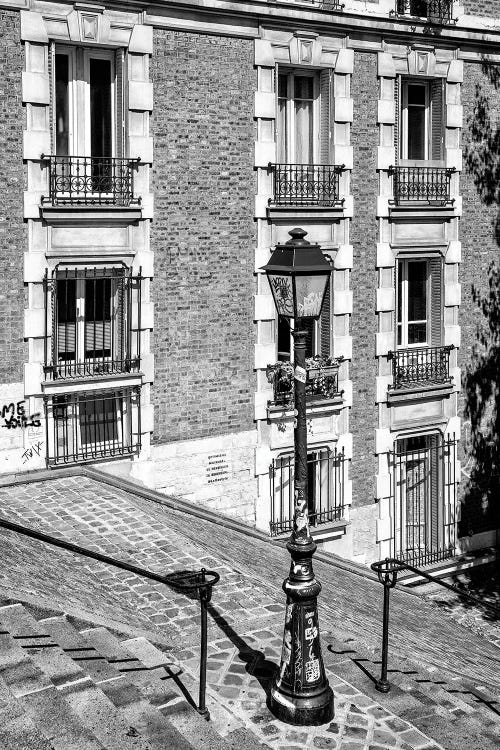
(298, 275)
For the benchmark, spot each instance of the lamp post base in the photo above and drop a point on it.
(300, 693)
(310, 711)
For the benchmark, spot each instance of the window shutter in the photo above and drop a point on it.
(437, 119)
(326, 98)
(120, 102)
(308, 325)
(397, 119)
(51, 69)
(435, 269)
(325, 322)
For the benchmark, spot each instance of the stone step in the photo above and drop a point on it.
(111, 713)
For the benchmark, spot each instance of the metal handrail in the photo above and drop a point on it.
(202, 581)
(387, 571)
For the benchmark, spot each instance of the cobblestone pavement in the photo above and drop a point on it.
(248, 606)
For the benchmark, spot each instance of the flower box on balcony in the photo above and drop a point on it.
(321, 380)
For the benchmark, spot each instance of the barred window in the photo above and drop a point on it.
(93, 426)
(91, 312)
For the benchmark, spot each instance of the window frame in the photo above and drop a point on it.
(289, 140)
(403, 82)
(79, 125)
(402, 282)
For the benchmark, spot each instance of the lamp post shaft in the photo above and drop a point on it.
(300, 693)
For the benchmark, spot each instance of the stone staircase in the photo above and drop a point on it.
(67, 686)
(442, 703)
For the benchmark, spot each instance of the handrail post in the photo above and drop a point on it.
(205, 594)
(387, 571)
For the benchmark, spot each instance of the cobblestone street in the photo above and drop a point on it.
(445, 678)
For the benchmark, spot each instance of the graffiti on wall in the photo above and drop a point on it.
(14, 416)
(32, 452)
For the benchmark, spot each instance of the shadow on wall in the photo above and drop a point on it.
(481, 381)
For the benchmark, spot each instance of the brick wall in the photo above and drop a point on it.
(203, 235)
(364, 137)
(12, 233)
(480, 236)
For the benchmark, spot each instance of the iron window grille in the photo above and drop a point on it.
(423, 496)
(91, 181)
(329, 5)
(89, 319)
(321, 383)
(306, 185)
(429, 365)
(326, 472)
(422, 185)
(435, 11)
(93, 426)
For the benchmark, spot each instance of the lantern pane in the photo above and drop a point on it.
(281, 287)
(310, 290)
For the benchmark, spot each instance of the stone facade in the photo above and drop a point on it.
(262, 120)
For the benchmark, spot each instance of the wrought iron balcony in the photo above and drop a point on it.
(326, 472)
(435, 11)
(421, 185)
(90, 181)
(322, 382)
(429, 365)
(306, 185)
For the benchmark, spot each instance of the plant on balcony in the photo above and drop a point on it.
(321, 378)
(322, 375)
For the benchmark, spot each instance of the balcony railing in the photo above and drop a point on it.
(436, 11)
(422, 185)
(93, 426)
(322, 382)
(326, 471)
(421, 366)
(88, 322)
(306, 185)
(90, 181)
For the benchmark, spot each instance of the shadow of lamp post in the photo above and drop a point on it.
(298, 275)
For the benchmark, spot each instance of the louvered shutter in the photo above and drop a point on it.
(397, 119)
(325, 151)
(98, 292)
(51, 69)
(66, 330)
(436, 283)
(308, 325)
(325, 321)
(437, 119)
(120, 103)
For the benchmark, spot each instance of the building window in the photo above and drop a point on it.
(90, 311)
(93, 426)
(87, 116)
(418, 311)
(325, 489)
(421, 120)
(424, 498)
(298, 95)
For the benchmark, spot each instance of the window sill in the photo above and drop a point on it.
(277, 413)
(323, 533)
(274, 213)
(92, 383)
(411, 209)
(90, 214)
(419, 391)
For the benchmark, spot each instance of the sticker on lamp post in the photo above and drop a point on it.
(300, 374)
